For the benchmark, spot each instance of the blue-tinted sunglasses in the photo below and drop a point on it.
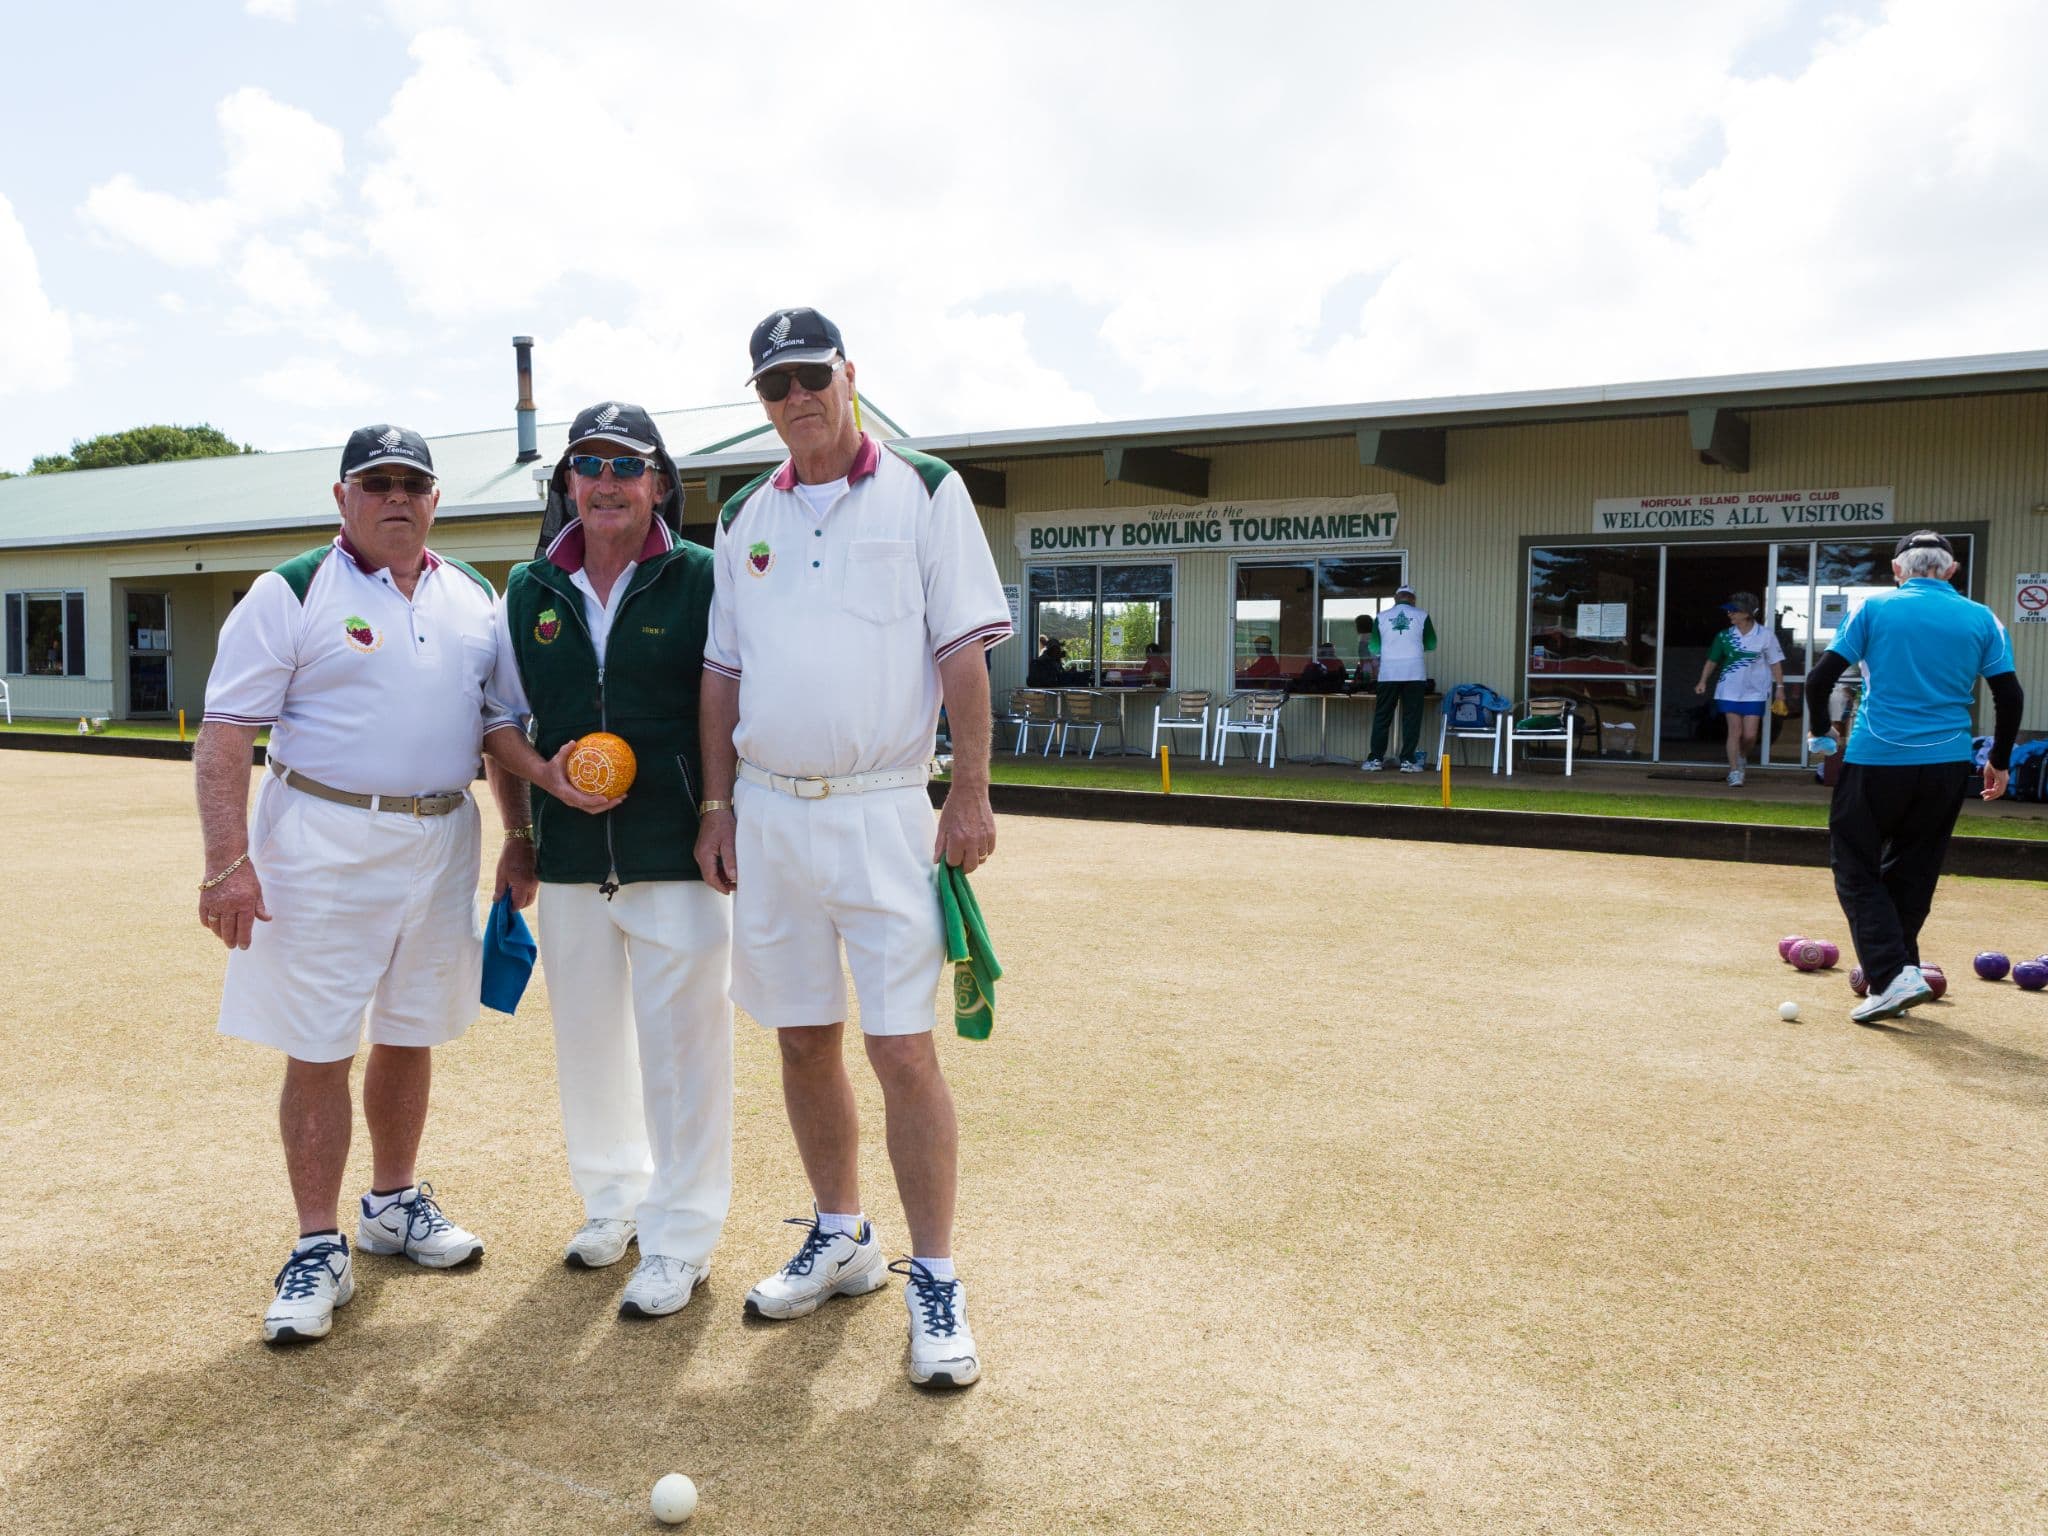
(627, 467)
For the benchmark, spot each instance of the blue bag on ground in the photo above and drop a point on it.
(508, 955)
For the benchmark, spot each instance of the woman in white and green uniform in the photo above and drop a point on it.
(1752, 668)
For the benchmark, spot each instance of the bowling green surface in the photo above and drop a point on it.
(1309, 1185)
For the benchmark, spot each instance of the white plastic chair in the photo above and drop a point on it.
(1260, 722)
(7, 699)
(1191, 713)
(1552, 717)
(1474, 712)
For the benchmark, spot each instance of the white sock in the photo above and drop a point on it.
(374, 1205)
(312, 1239)
(940, 1269)
(836, 1223)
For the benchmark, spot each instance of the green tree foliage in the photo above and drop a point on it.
(140, 445)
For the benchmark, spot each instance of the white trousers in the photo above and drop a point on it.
(643, 1054)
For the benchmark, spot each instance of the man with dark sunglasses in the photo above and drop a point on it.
(855, 593)
(348, 903)
(604, 631)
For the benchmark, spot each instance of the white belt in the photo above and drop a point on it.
(816, 788)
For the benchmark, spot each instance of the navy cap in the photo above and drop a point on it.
(615, 422)
(793, 336)
(1742, 602)
(1926, 538)
(368, 447)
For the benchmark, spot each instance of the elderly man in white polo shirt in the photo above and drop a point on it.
(853, 593)
(351, 895)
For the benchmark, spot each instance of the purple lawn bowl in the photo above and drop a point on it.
(2031, 975)
(1936, 978)
(1991, 965)
(1809, 955)
(1859, 983)
(1831, 954)
(1785, 946)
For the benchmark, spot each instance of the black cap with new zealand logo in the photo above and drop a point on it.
(613, 421)
(793, 336)
(370, 447)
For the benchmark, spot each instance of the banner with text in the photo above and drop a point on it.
(1323, 521)
(1746, 511)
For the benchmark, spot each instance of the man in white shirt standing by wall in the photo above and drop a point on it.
(1400, 638)
(350, 899)
(853, 592)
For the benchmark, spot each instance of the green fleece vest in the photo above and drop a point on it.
(647, 694)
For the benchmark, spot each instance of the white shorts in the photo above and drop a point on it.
(814, 873)
(371, 914)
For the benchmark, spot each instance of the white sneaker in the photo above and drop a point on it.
(414, 1226)
(314, 1281)
(1411, 765)
(827, 1264)
(941, 1344)
(1735, 778)
(1909, 989)
(660, 1285)
(598, 1243)
(1371, 765)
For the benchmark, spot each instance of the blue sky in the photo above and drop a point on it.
(290, 216)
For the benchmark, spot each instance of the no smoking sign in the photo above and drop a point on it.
(2030, 597)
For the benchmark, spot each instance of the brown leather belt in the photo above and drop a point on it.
(402, 805)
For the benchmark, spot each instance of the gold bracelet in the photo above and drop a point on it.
(524, 834)
(207, 885)
(706, 807)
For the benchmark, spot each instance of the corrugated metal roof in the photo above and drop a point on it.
(1998, 373)
(251, 493)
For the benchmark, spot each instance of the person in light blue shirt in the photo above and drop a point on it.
(1908, 759)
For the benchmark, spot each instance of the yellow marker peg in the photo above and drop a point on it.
(181, 726)
(1444, 764)
(1166, 770)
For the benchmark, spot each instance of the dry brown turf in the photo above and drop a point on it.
(1311, 1185)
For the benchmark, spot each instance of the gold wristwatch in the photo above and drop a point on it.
(706, 807)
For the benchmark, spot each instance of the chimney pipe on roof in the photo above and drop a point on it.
(529, 433)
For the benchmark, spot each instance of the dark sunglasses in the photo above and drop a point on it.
(815, 377)
(380, 485)
(625, 467)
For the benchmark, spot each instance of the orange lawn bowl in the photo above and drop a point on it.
(601, 764)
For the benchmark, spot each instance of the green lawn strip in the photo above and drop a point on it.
(143, 730)
(1425, 792)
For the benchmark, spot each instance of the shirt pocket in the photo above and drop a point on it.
(882, 584)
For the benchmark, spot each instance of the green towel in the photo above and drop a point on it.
(975, 967)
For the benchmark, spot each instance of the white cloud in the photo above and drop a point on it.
(35, 335)
(273, 10)
(316, 383)
(281, 162)
(171, 303)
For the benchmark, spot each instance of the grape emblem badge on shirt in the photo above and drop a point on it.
(360, 636)
(547, 626)
(760, 559)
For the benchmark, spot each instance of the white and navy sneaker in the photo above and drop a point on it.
(316, 1279)
(1735, 778)
(1909, 989)
(827, 1264)
(941, 1345)
(1411, 765)
(413, 1225)
(599, 1243)
(660, 1285)
(1371, 765)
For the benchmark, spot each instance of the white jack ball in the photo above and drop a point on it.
(675, 1499)
(1788, 1011)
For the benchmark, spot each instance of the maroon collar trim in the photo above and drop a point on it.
(567, 552)
(428, 559)
(865, 461)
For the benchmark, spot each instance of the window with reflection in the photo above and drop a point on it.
(1100, 626)
(1593, 610)
(1283, 611)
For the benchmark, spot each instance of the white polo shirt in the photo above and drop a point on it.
(833, 621)
(363, 689)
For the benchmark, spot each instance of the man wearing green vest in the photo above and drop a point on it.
(604, 631)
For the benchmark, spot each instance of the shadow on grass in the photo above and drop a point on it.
(557, 1416)
(1983, 1067)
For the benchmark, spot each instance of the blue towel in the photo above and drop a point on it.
(508, 955)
